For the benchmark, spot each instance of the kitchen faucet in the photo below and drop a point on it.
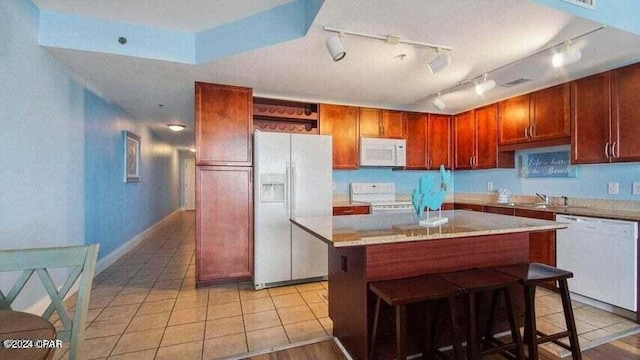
(544, 198)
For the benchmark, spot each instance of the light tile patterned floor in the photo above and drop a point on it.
(146, 306)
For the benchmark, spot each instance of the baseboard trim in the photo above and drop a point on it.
(116, 254)
(41, 305)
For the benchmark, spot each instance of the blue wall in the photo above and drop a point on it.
(116, 211)
(55, 135)
(591, 182)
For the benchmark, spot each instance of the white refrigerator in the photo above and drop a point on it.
(292, 178)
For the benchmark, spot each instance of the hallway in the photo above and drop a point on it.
(146, 306)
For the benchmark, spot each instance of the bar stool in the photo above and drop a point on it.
(531, 275)
(402, 292)
(473, 282)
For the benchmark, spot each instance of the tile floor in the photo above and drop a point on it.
(146, 306)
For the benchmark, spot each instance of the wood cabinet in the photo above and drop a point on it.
(475, 144)
(224, 124)
(539, 116)
(341, 122)
(351, 210)
(381, 123)
(605, 117)
(625, 109)
(591, 119)
(224, 223)
(542, 245)
(469, 207)
(428, 141)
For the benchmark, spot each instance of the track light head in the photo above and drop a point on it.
(439, 63)
(335, 47)
(485, 85)
(568, 56)
(439, 103)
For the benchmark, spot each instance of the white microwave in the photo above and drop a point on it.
(383, 152)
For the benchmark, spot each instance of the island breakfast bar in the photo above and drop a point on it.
(366, 248)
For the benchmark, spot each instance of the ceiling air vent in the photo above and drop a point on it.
(589, 4)
(515, 82)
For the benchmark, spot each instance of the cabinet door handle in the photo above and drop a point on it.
(526, 133)
(471, 161)
(532, 132)
(429, 166)
(606, 150)
(348, 211)
(475, 161)
(615, 151)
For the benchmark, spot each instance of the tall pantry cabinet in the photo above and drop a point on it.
(224, 189)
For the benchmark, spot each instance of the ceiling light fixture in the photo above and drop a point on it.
(439, 103)
(485, 85)
(335, 47)
(441, 61)
(569, 55)
(176, 127)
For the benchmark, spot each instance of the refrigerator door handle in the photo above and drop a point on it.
(287, 190)
(293, 189)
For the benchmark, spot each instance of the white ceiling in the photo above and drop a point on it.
(185, 15)
(484, 35)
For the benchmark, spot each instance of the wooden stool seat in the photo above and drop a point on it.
(532, 275)
(534, 272)
(475, 281)
(403, 292)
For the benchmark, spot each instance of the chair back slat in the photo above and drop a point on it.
(46, 258)
(82, 259)
(18, 285)
(64, 290)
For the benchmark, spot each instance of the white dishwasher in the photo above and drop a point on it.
(603, 255)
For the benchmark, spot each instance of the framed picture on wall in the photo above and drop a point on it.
(131, 156)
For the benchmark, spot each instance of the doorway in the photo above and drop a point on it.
(189, 184)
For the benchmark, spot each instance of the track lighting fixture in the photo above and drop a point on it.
(567, 56)
(335, 47)
(176, 127)
(441, 61)
(439, 103)
(485, 85)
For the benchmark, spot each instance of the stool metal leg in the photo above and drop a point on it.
(401, 332)
(515, 331)
(530, 321)
(570, 320)
(374, 330)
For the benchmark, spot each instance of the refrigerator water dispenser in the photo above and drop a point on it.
(272, 187)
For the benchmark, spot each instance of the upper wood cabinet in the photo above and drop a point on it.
(381, 123)
(605, 117)
(591, 119)
(428, 141)
(224, 233)
(341, 122)
(475, 144)
(539, 116)
(625, 109)
(224, 125)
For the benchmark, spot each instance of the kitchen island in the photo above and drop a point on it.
(365, 248)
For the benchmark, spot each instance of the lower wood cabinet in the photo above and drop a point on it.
(351, 210)
(542, 245)
(224, 224)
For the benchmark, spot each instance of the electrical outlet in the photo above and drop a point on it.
(489, 186)
(612, 188)
(636, 188)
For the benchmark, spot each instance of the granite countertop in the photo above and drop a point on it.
(593, 211)
(342, 231)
